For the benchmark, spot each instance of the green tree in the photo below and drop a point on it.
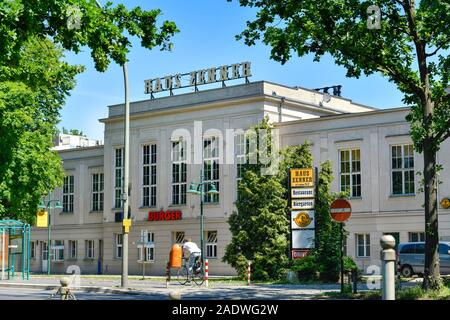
(75, 24)
(409, 48)
(31, 95)
(328, 241)
(74, 132)
(260, 227)
(326, 256)
(35, 81)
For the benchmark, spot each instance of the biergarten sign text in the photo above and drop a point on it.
(199, 77)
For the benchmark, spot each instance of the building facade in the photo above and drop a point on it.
(370, 150)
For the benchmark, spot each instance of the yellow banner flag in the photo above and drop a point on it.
(42, 219)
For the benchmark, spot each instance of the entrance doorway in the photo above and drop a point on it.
(44, 256)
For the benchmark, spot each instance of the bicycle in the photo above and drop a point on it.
(197, 275)
(64, 294)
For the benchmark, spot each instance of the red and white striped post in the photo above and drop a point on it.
(206, 272)
(249, 272)
(167, 274)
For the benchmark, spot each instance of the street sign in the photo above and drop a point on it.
(296, 253)
(302, 201)
(302, 204)
(126, 223)
(445, 203)
(15, 243)
(340, 210)
(301, 193)
(42, 219)
(302, 219)
(302, 177)
(303, 238)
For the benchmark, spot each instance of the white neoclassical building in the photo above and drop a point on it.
(371, 152)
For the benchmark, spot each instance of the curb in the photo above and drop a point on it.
(88, 289)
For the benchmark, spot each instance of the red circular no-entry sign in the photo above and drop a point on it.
(340, 210)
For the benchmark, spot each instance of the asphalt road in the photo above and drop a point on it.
(186, 293)
(37, 294)
(158, 291)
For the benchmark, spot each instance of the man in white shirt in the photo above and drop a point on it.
(191, 250)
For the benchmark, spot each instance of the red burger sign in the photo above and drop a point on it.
(165, 215)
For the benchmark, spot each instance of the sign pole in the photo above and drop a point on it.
(340, 211)
(143, 258)
(3, 253)
(289, 203)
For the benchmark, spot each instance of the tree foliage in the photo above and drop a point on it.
(31, 95)
(260, 227)
(35, 81)
(74, 132)
(328, 241)
(410, 48)
(104, 30)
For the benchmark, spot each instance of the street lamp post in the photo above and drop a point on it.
(199, 189)
(48, 207)
(125, 189)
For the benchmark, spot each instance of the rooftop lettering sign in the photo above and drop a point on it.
(200, 77)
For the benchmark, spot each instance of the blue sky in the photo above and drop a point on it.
(206, 39)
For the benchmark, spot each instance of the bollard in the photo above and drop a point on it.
(388, 267)
(176, 295)
(206, 273)
(63, 291)
(249, 272)
(167, 274)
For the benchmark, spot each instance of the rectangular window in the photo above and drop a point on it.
(362, 245)
(149, 175)
(73, 249)
(211, 167)
(97, 191)
(118, 177)
(44, 251)
(67, 194)
(149, 253)
(402, 169)
(118, 241)
(32, 250)
(350, 172)
(178, 237)
(89, 254)
(58, 250)
(241, 152)
(179, 172)
(146, 246)
(211, 244)
(416, 236)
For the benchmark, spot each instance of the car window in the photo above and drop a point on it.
(443, 248)
(407, 248)
(419, 248)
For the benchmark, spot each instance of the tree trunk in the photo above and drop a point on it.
(431, 278)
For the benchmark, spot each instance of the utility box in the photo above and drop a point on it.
(175, 256)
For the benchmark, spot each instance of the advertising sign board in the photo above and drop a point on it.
(302, 219)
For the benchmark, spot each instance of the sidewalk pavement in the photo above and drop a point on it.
(223, 288)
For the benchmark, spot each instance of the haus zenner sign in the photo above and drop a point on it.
(199, 77)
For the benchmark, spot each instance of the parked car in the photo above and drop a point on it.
(411, 258)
